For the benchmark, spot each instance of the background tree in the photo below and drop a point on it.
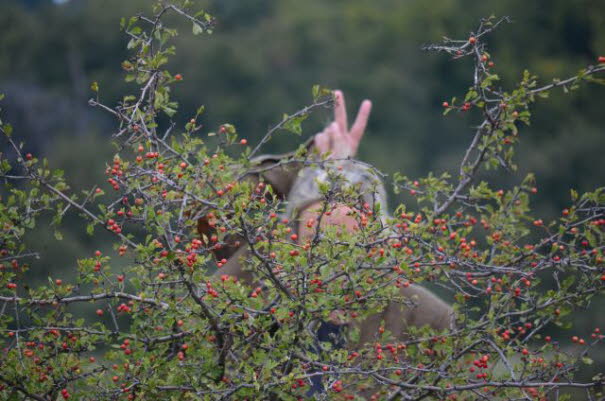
(50, 53)
(178, 331)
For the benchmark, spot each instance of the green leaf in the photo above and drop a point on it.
(470, 95)
(132, 43)
(197, 29)
(568, 282)
(293, 124)
(8, 129)
(574, 194)
(318, 91)
(323, 187)
(591, 239)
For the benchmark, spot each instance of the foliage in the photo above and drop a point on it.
(172, 326)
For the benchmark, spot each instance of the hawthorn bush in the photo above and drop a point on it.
(169, 325)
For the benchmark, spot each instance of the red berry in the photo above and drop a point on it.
(178, 77)
(602, 59)
(472, 40)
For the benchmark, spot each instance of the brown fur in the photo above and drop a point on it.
(423, 308)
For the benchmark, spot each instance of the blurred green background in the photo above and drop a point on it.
(265, 56)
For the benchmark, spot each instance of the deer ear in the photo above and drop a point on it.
(280, 176)
(267, 167)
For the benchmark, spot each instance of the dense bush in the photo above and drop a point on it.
(170, 325)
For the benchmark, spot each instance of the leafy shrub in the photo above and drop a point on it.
(170, 325)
